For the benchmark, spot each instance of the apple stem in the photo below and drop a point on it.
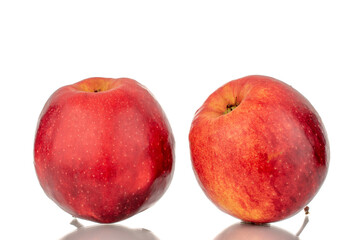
(306, 221)
(231, 107)
(76, 223)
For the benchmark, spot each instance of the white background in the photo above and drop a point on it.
(182, 51)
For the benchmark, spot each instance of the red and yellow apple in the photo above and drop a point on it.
(259, 149)
(104, 149)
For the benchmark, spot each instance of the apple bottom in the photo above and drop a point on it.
(105, 202)
(268, 199)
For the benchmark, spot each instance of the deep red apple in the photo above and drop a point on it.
(259, 149)
(104, 149)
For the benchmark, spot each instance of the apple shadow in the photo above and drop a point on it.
(248, 231)
(109, 232)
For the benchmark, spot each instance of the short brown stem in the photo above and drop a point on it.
(76, 223)
(306, 221)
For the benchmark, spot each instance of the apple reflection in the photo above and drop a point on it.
(246, 231)
(109, 232)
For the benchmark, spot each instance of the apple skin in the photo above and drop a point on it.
(104, 149)
(259, 149)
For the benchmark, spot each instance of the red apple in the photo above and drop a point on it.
(104, 149)
(259, 149)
